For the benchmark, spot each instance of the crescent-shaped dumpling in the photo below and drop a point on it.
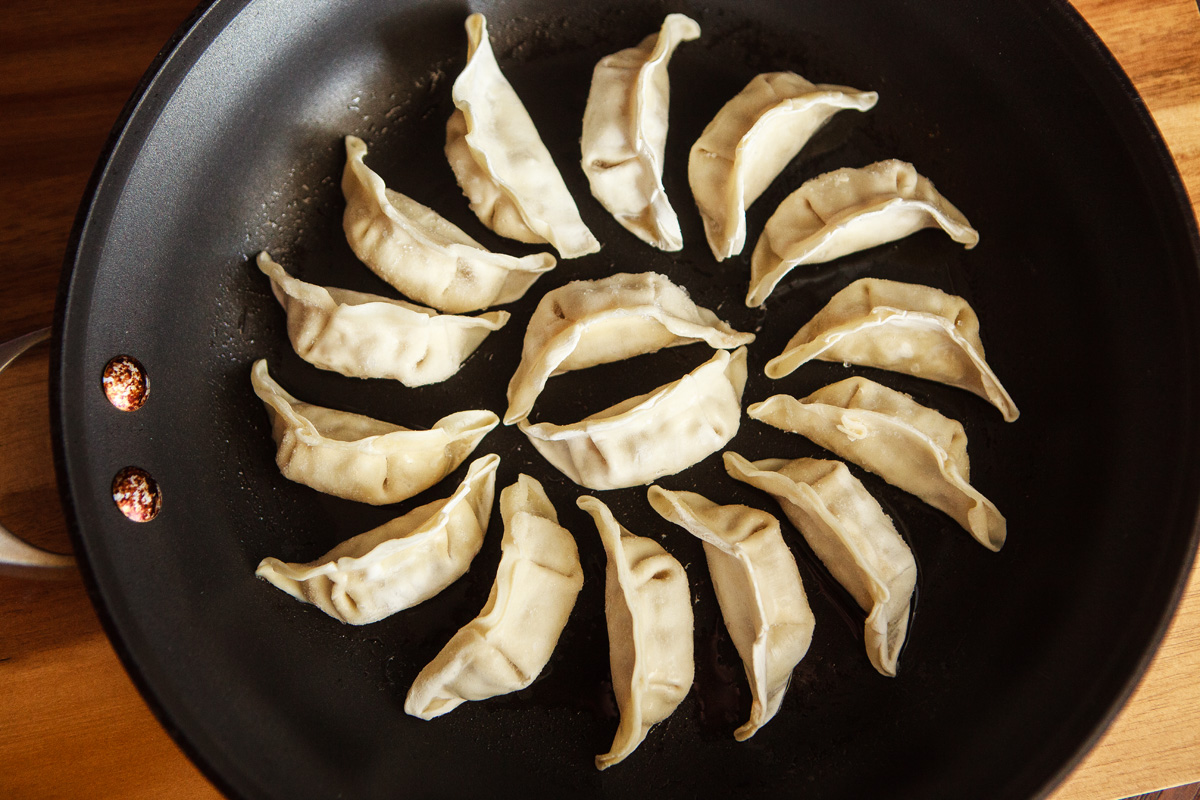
(848, 210)
(367, 336)
(908, 445)
(758, 588)
(625, 134)
(360, 458)
(648, 607)
(506, 647)
(749, 142)
(847, 529)
(651, 435)
(903, 327)
(423, 254)
(586, 323)
(400, 563)
(499, 159)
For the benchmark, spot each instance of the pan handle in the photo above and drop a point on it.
(18, 557)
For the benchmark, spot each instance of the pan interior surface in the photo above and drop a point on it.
(1085, 282)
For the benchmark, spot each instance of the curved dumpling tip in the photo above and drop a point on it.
(421, 253)
(363, 335)
(505, 648)
(499, 159)
(399, 564)
(648, 609)
(759, 590)
(586, 323)
(848, 210)
(625, 134)
(646, 437)
(907, 444)
(749, 142)
(360, 458)
(903, 327)
(855, 540)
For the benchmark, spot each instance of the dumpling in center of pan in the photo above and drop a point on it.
(587, 323)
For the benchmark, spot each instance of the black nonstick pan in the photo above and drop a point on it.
(1086, 281)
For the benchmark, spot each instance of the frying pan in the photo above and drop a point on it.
(1086, 281)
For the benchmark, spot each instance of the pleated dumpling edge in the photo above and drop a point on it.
(421, 253)
(400, 563)
(360, 458)
(500, 162)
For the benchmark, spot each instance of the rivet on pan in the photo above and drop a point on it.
(137, 494)
(125, 383)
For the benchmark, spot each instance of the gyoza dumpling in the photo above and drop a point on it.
(749, 142)
(367, 336)
(758, 588)
(586, 323)
(648, 606)
(500, 162)
(908, 445)
(625, 134)
(400, 563)
(855, 540)
(848, 210)
(421, 253)
(651, 435)
(360, 458)
(903, 327)
(505, 648)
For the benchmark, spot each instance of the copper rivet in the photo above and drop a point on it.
(125, 383)
(137, 494)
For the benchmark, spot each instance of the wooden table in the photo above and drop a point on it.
(71, 722)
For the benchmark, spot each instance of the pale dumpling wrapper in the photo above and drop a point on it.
(499, 159)
(362, 335)
(423, 254)
(758, 588)
(749, 142)
(855, 540)
(646, 437)
(625, 134)
(399, 564)
(360, 458)
(902, 327)
(586, 323)
(848, 210)
(907, 444)
(648, 609)
(506, 647)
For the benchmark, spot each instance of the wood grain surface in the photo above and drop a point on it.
(71, 722)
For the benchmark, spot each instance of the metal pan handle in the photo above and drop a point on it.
(18, 557)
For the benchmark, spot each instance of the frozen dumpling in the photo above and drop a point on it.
(848, 210)
(367, 336)
(648, 606)
(903, 327)
(758, 588)
(500, 162)
(421, 253)
(847, 529)
(749, 142)
(400, 563)
(586, 323)
(625, 134)
(360, 458)
(908, 445)
(651, 435)
(506, 647)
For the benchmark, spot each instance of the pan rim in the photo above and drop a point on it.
(165, 60)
